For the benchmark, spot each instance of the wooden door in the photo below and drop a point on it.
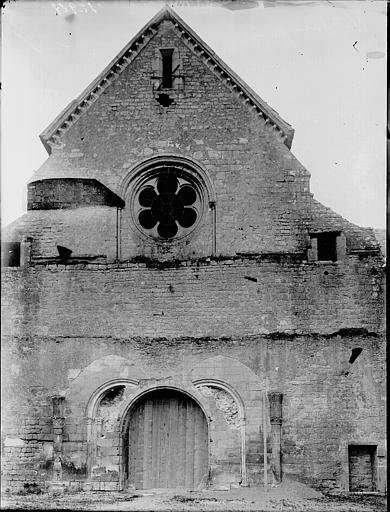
(168, 442)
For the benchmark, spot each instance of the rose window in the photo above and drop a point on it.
(168, 206)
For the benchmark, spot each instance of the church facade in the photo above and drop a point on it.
(179, 311)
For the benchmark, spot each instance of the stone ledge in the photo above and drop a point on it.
(80, 485)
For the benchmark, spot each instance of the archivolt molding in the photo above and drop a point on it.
(229, 371)
(98, 394)
(189, 171)
(99, 423)
(144, 168)
(132, 401)
(215, 383)
(241, 424)
(96, 377)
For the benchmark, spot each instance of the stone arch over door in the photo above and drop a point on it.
(231, 407)
(92, 400)
(246, 392)
(103, 434)
(165, 440)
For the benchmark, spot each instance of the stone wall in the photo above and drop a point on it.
(328, 402)
(229, 314)
(53, 194)
(293, 325)
(194, 298)
(263, 202)
(89, 231)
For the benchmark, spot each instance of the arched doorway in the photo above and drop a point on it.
(166, 442)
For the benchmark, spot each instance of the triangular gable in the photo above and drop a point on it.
(76, 107)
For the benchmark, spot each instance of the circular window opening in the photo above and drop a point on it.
(167, 203)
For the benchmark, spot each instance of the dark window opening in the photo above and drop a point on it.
(326, 246)
(10, 256)
(167, 77)
(362, 468)
(164, 100)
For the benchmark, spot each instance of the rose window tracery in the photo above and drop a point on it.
(168, 205)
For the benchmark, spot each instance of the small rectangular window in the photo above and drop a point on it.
(10, 254)
(324, 246)
(167, 79)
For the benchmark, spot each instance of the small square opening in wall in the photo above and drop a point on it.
(362, 468)
(165, 100)
(327, 246)
(10, 254)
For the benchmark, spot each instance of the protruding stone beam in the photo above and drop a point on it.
(275, 404)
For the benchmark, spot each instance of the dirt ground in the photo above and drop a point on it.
(286, 497)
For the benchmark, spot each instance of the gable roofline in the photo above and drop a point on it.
(77, 106)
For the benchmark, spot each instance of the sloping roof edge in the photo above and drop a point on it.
(120, 61)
